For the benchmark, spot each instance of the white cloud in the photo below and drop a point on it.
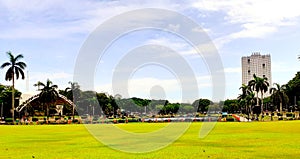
(275, 12)
(252, 30)
(256, 18)
(41, 19)
(50, 19)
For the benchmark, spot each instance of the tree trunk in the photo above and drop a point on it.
(271, 115)
(73, 112)
(13, 98)
(262, 104)
(257, 102)
(248, 111)
(47, 112)
(280, 107)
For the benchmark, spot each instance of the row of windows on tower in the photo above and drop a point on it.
(263, 65)
(249, 73)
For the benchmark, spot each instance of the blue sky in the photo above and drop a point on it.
(50, 34)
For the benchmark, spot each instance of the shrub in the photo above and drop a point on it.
(121, 121)
(35, 119)
(230, 118)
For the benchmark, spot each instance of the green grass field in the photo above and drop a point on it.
(227, 140)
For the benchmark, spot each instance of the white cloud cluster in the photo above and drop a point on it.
(57, 19)
(44, 19)
(256, 18)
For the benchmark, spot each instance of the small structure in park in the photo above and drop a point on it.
(33, 107)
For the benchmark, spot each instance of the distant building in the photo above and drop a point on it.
(257, 64)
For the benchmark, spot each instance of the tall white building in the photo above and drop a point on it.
(257, 64)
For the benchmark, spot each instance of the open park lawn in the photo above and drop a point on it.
(227, 140)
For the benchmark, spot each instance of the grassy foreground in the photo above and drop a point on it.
(227, 140)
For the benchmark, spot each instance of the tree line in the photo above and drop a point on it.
(283, 97)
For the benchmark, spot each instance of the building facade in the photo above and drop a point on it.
(257, 64)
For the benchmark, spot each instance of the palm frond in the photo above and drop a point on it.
(9, 74)
(17, 72)
(10, 55)
(21, 65)
(18, 57)
(22, 73)
(5, 65)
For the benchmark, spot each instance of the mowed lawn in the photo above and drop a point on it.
(227, 140)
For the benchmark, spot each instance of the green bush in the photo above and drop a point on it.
(35, 119)
(229, 118)
(289, 115)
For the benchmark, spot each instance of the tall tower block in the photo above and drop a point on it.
(257, 64)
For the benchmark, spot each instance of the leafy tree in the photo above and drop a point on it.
(215, 108)
(201, 105)
(170, 108)
(126, 104)
(48, 94)
(261, 85)
(73, 93)
(88, 103)
(293, 88)
(151, 108)
(232, 105)
(103, 101)
(279, 95)
(15, 69)
(141, 102)
(108, 104)
(187, 108)
(5, 99)
(114, 105)
(159, 107)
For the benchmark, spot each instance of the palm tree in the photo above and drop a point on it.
(15, 69)
(48, 94)
(279, 95)
(73, 93)
(38, 84)
(246, 98)
(245, 91)
(261, 85)
(250, 100)
(241, 97)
